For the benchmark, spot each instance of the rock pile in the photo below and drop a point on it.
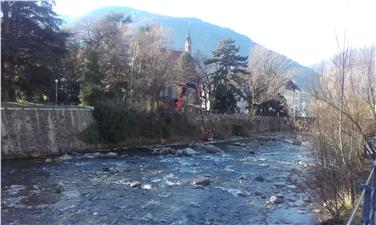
(202, 181)
(169, 150)
(163, 151)
(211, 149)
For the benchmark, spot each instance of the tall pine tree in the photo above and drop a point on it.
(32, 46)
(229, 67)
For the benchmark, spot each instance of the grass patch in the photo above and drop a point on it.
(38, 105)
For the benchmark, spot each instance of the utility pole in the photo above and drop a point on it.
(56, 81)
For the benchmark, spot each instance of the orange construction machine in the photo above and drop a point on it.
(180, 102)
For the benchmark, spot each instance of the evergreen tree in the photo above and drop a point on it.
(32, 45)
(229, 67)
(92, 88)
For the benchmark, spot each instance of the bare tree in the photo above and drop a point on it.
(344, 109)
(366, 66)
(151, 65)
(204, 74)
(268, 72)
(105, 43)
(345, 89)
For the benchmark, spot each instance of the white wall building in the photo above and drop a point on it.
(242, 104)
(298, 100)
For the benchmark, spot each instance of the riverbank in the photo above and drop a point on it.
(30, 133)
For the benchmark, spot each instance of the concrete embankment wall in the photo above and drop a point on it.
(224, 124)
(253, 124)
(41, 132)
(36, 132)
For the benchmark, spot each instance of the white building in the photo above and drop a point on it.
(242, 105)
(298, 100)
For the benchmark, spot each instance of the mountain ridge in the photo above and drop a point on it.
(179, 28)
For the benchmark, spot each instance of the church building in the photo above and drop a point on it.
(186, 83)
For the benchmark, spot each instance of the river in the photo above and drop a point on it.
(248, 183)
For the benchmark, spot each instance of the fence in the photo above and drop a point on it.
(368, 196)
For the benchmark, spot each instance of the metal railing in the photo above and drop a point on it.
(368, 196)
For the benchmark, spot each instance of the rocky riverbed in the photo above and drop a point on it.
(236, 182)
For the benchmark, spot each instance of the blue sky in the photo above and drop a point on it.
(303, 30)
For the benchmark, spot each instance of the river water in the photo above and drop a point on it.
(136, 187)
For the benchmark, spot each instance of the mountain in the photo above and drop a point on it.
(205, 36)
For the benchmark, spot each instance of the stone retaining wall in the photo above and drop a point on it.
(34, 132)
(253, 124)
(41, 132)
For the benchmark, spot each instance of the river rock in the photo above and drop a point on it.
(111, 154)
(239, 144)
(298, 140)
(212, 149)
(261, 194)
(307, 199)
(96, 154)
(280, 185)
(251, 152)
(179, 152)
(65, 157)
(88, 156)
(161, 151)
(112, 169)
(260, 178)
(147, 217)
(189, 152)
(48, 160)
(155, 152)
(203, 181)
(236, 192)
(135, 184)
(242, 194)
(302, 163)
(276, 199)
(146, 186)
(166, 150)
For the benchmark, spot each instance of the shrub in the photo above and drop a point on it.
(91, 135)
(239, 130)
(112, 121)
(117, 123)
(92, 95)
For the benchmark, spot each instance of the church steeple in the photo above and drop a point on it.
(188, 43)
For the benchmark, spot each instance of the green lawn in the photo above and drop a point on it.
(35, 105)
